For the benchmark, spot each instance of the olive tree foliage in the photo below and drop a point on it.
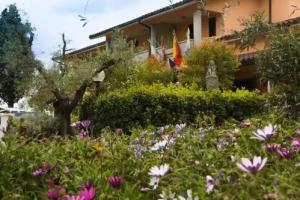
(255, 27)
(62, 86)
(279, 61)
(123, 73)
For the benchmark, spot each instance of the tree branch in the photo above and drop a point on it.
(55, 90)
(57, 94)
(81, 90)
(64, 50)
(106, 65)
(64, 46)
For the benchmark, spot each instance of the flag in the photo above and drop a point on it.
(163, 50)
(188, 42)
(176, 51)
(172, 64)
(153, 59)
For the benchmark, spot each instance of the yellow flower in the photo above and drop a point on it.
(99, 148)
(87, 93)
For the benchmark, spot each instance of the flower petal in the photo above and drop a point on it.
(262, 164)
(256, 161)
(246, 162)
(242, 167)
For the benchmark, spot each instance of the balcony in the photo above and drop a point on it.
(143, 55)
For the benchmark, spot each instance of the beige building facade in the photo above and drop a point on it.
(214, 19)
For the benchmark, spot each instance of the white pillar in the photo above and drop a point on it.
(153, 40)
(197, 22)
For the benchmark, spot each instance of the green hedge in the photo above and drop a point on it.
(160, 105)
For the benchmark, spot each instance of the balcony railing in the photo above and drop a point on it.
(143, 55)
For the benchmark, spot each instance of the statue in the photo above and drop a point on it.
(212, 81)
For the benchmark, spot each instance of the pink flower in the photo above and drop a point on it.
(115, 181)
(86, 123)
(83, 134)
(68, 197)
(253, 166)
(41, 171)
(88, 193)
(50, 182)
(298, 131)
(52, 194)
(271, 147)
(38, 172)
(296, 143)
(119, 131)
(46, 168)
(285, 153)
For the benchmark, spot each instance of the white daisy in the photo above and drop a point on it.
(189, 196)
(253, 166)
(160, 145)
(159, 171)
(210, 184)
(266, 133)
(167, 195)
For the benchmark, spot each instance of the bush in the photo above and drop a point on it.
(37, 124)
(284, 98)
(158, 105)
(198, 62)
(154, 72)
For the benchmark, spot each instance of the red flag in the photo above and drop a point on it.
(177, 56)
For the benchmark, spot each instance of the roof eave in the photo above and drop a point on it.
(145, 17)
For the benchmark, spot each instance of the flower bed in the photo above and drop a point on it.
(250, 160)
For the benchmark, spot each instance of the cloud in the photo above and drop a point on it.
(51, 18)
(93, 6)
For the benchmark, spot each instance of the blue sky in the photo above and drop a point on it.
(51, 18)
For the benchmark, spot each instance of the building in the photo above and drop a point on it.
(217, 19)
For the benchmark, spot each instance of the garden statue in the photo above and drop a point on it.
(212, 81)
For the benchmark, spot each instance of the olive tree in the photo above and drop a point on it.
(61, 87)
(279, 61)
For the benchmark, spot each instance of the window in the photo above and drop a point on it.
(191, 27)
(212, 26)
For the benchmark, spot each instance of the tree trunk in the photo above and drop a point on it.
(62, 117)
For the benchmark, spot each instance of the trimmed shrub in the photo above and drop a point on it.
(159, 105)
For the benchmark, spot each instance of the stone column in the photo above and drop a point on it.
(197, 23)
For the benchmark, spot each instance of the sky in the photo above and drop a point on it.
(51, 18)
